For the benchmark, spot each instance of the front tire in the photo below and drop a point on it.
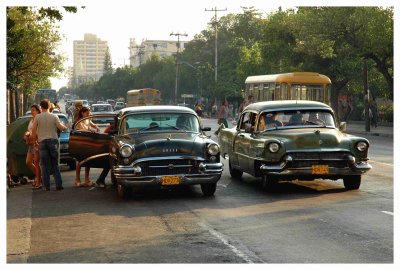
(236, 174)
(124, 192)
(352, 182)
(268, 183)
(208, 189)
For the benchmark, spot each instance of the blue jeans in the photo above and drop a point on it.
(49, 155)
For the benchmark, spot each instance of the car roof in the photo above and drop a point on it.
(286, 104)
(101, 104)
(156, 108)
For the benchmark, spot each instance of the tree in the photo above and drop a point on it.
(31, 59)
(107, 63)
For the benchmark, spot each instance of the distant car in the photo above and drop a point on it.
(104, 109)
(184, 105)
(101, 108)
(101, 102)
(289, 140)
(119, 105)
(111, 102)
(152, 146)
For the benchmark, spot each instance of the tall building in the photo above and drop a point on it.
(89, 56)
(138, 54)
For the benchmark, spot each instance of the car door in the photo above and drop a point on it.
(242, 143)
(92, 148)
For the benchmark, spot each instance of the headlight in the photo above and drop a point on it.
(362, 146)
(126, 151)
(213, 149)
(273, 147)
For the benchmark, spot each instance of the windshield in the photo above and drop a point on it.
(297, 118)
(159, 122)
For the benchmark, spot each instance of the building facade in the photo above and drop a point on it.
(140, 53)
(89, 56)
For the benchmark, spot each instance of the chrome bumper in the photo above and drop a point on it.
(126, 176)
(284, 168)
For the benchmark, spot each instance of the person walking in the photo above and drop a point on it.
(32, 157)
(224, 112)
(45, 128)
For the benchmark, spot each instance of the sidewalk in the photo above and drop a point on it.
(358, 128)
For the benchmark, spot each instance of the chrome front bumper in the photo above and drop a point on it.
(285, 168)
(125, 175)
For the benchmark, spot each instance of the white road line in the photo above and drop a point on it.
(225, 241)
(387, 212)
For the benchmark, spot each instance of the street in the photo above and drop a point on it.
(300, 222)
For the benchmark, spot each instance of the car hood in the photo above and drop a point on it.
(310, 138)
(166, 144)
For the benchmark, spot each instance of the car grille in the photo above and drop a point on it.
(169, 167)
(307, 159)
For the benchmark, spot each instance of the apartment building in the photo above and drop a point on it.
(139, 53)
(89, 56)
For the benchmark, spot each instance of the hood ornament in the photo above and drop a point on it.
(169, 137)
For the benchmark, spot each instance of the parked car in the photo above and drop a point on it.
(288, 140)
(65, 157)
(152, 146)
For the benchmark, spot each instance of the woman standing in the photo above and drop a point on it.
(32, 157)
(89, 126)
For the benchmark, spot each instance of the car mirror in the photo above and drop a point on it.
(206, 129)
(343, 126)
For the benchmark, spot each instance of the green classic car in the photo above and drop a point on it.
(289, 140)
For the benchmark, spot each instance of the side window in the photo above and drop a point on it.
(248, 121)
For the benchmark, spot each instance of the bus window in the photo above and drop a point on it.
(284, 91)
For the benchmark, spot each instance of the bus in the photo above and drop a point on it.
(289, 86)
(142, 97)
(50, 94)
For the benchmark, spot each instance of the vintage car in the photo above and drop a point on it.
(289, 140)
(152, 146)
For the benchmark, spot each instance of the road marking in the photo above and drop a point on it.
(382, 163)
(387, 212)
(225, 241)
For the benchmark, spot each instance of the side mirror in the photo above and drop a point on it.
(206, 129)
(343, 126)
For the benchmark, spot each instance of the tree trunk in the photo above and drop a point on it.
(12, 106)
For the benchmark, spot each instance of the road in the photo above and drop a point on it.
(301, 222)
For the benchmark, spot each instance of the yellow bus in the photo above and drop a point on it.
(287, 86)
(142, 97)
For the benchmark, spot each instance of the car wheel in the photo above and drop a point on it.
(235, 173)
(124, 191)
(352, 182)
(71, 164)
(268, 183)
(208, 189)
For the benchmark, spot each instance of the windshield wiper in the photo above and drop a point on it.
(148, 128)
(317, 123)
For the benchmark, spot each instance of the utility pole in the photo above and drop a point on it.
(178, 46)
(216, 40)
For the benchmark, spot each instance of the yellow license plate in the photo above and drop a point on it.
(170, 180)
(320, 169)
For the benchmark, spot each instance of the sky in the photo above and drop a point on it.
(117, 24)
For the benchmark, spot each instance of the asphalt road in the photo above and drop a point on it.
(301, 222)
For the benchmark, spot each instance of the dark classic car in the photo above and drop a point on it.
(289, 140)
(152, 146)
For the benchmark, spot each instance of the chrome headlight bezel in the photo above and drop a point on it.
(362, 146)
(213, 149)
(126, 150)
(274, 147)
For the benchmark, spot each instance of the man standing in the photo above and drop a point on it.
(45, 128)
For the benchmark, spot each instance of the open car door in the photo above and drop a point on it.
(91, 149)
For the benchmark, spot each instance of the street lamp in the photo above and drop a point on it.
(199, 82)
(178, 45)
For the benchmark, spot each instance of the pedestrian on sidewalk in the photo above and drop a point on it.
(45, 128)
